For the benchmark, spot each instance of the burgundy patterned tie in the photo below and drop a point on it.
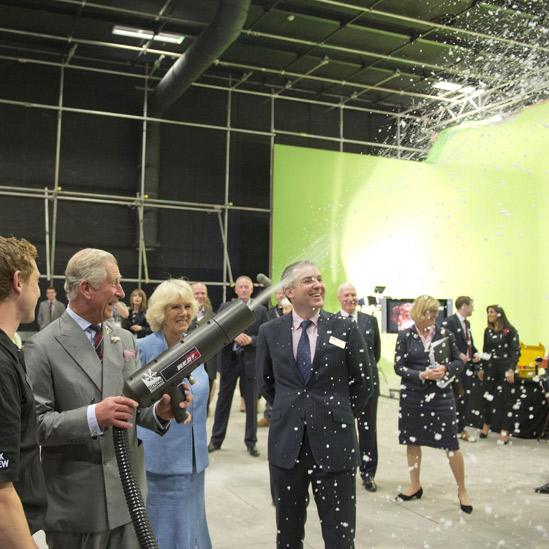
(98, 340)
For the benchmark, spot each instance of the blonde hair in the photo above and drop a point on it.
(422, 305)
(165, 293)
(87, 264)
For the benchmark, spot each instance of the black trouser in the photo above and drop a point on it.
(227, 385)
(367, 438)
(334, 495)
(503, 393)
(462, 402)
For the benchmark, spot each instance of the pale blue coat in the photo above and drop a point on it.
(172, 454)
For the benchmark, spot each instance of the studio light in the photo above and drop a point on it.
(144, 34)
(447, 86)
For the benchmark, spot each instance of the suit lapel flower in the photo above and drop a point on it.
(115, 339)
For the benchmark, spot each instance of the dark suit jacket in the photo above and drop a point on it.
(273, 312)
(453, 324)
(248, 351)
(369, 330)
(337, 392)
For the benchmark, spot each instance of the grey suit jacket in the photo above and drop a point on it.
(43, 316)
(82, 480)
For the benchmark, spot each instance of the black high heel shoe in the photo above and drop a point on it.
(415, 495)
(465, 508)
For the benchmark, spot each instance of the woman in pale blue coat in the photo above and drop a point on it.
(176, 462)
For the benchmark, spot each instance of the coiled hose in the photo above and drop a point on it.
(134, 499)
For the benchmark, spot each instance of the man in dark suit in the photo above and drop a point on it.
(459, 325)
(367, 421)
(237, 360)
(276, 311)
(77, 366)
(315, 370)
(50, 309)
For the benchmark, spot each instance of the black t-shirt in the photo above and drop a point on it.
(19, 449)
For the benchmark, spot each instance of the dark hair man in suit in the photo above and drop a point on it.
(460, 326)
(237, 360)
(77, 366)
(315, 370)
(367, 421)
(22, 487)
(50, 309)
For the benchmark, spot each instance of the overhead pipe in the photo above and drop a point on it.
(208, 47)
(214, 40)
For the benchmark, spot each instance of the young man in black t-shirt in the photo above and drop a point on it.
(22, 487)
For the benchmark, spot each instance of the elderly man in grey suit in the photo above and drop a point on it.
(77, 365)
(50, 309)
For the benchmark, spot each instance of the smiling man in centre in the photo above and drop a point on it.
(315, 370)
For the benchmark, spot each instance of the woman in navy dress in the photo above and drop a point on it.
(501, 342)
(175, 463)
(427, 410)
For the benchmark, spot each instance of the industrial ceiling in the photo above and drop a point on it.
(390, 56)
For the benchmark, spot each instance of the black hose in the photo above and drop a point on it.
(134, 499)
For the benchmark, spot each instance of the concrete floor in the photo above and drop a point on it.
(507, 513)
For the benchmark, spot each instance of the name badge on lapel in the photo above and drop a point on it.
(337, 342)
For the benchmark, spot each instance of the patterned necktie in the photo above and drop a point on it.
(303, 356)
(98, 340)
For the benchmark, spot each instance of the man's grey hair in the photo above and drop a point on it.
(345, 285)
(289, 274)
(87, 264)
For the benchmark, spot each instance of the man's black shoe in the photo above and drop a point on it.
(252, 450)
(213, 447)
(543, 489)
(370, 484)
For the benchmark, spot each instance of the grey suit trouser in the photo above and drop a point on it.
(122, 537)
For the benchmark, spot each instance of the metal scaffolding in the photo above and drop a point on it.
(52, 193)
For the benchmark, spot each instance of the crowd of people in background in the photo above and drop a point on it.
(316, 370)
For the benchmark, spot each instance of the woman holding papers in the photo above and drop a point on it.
(427, 359)
(502, 351)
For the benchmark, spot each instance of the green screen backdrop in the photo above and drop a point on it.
(471, 220)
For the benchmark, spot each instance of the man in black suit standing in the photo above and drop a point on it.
(50, 309)
(461, 328)
(367, 421)
(237, 360)
(315, 370)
